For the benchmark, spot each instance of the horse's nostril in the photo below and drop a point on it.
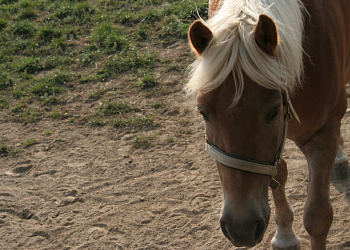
(243, 233)
(224, 229)
(259, 230)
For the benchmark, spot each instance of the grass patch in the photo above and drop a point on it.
(97, 121)
(30, 65)
(30, 115)
(51, 84)
(3, 23)
(109, 38)
(48, 33)
(24, 29)
(133, 123)
(29, 142)
(48, 132)
(4, 102)
(116, 107)
(143, 142)
(147, 82)
(28, 13)
(158, 105)
(48, 48)
(57, 115)
(130, 60)
(4, 149)
(95, 95)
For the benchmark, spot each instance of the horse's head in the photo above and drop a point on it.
(250, 127)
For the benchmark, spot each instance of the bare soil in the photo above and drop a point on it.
(84, 187)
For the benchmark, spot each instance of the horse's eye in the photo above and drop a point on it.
(204, 115)
(273, 115)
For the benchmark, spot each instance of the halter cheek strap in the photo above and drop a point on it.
(254, 166)
(244, 164)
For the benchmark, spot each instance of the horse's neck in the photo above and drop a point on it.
(324, 19)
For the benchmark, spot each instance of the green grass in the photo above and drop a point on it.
(4, 102)
(143, 142)
(48, 132)
(49, 48)
(147, 82)
(4, 149)
(133, 122)
(115, 107)
(57, 115)
(30, 142)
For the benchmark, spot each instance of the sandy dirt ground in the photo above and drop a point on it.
(85, 187)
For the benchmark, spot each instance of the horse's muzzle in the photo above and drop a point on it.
(243, 233)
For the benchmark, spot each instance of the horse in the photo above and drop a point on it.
(267, 70)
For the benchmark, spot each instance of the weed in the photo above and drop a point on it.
(18, 93)
(143, 141)
(95, 95)
(97, 121)
(31, 115)
(173, 28)
(112, 108)
(3, 23)
(25, 4)
(57, 115)
(45, 88)
(129, 60)
(30, 65)
(4, 102)
(48, 33)
(89, 58)
(170, 140)
(29, 142)
(4, 150)
(50, 100)
(48, 132)
(63, 12)
(28, 13)
(82, 12)
(157, 105)
(133, 123)
(73, 120)
(109, 38)
(147, 82)
(52, 84)
(18, 107)
(5, 81)
(24, 29)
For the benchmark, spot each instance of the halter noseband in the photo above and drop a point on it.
(254, 166)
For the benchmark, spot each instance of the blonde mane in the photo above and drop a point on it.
(234, 50)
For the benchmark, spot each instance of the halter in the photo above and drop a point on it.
(254, 166)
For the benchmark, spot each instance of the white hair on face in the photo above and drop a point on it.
(233, 48)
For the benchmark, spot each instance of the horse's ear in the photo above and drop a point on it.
(199, 36)
(266, 35)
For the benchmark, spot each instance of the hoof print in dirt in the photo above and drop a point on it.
(26, 214)
(19, 171)
(69, 201)
(42, 234)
